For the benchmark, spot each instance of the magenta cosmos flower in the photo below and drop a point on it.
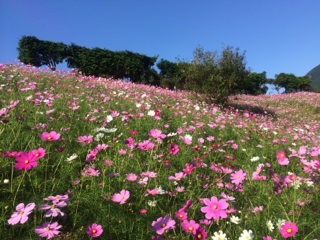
(288, 229)
(94, 230)
(48, 230)
(215, 208)
(39, 153)
(238, 176)
(51, 136)
(190, 226)
(21, 215)
(121, 197)
(282, 158)
(25, 161)
(173, 149)
(163, 224)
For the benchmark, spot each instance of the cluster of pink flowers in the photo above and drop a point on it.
(47, 229)
(27, 160)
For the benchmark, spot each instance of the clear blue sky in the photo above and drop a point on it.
(277, 35)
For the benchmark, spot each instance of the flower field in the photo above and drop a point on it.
(85, 157)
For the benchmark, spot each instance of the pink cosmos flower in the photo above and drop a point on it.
(173, 149)
(57, 198)
(267, 238)
(51, 136)
(54, 209)
(200, 234)
(90, 171)
(48, 230)
(38, 153)
(145, 145)
(190, 226)
(155, 133)
(21, 215)
(25, 161)
(121, 197)
(188, 169)
(163, 224)
(177, 176)
(282, 158)
(85, 139)
(238, 176)
(94, 230)
(215, 208)
(131, 177)
(92, 155)
(288, 229)
(181, 215)
(129, 143)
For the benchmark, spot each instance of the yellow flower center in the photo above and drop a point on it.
(47, 229)
(49, 138)
(94, 231)
(163, 225)
(21, 212)
(289, 230)
(214, 207)
(190, 228)
(26, 161)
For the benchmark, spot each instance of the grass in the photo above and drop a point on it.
(133, 129)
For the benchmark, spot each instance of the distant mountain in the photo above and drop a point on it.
(314, 76)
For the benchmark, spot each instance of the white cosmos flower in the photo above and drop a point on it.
(270, 225)
(219, 236)
(109, 118)
(151, 113)
(72, 157)
(99, 136)
(254, 159)
(235, 219)
(246, 235)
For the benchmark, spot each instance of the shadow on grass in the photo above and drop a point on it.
(252, 109)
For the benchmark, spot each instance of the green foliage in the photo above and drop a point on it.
(255, 84)
(291, 83)
(37, 53)
(216, 76)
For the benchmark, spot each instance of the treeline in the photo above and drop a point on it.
(214, 75)
(95, 61)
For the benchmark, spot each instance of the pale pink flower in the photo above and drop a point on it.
(163, 224)
(21, 215)
(121, 197)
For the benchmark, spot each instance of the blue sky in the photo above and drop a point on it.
(277, 35)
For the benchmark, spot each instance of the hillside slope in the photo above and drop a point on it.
(314, 75)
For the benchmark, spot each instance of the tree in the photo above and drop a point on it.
(169, 74)
(291, 83)
(255, 83)
(38, 53)
(216, 76)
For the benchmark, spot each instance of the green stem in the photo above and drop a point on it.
(15, 196)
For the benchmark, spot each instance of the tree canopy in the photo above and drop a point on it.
(38, 53)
